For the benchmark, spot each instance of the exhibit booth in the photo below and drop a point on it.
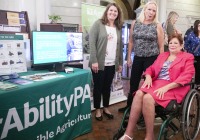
(42, 96)
(45, 91)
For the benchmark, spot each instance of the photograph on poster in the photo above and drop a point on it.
(74, 46)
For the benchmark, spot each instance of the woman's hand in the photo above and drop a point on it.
(148, 82)
(129, 62)
(95, 67)
(120, 69)
(161, 91)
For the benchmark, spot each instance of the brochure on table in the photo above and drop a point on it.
(12, 54)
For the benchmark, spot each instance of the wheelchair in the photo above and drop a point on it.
(185, 119)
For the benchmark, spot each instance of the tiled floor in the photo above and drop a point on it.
(105, 130)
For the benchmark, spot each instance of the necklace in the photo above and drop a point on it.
(171, 58)
(110, 33)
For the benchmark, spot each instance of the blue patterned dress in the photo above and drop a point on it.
(192, 44)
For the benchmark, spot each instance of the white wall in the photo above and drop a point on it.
(69, 10)
(188, 10)
(21, 5)
(37, 10)
(42, 10)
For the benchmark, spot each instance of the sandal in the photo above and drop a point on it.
(122, 138)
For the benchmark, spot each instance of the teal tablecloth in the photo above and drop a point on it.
(57, 109)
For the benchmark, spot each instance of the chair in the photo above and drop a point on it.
(185, 119)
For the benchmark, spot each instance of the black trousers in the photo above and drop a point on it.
(138, 67)
(102, 86)
(197, 70)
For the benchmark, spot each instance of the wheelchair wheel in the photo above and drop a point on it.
(123, 125)
(191, 115)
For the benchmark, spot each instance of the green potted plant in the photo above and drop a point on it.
(54, 18)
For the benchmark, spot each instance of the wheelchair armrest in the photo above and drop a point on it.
(190, 84)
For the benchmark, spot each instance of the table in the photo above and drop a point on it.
(55, 109)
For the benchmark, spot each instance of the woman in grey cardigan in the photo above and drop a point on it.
(106, 56)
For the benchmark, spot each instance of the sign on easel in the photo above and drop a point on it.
(12, 54)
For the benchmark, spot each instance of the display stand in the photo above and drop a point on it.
(13, 22)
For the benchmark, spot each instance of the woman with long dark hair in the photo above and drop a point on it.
(192, 45)
(106, 56)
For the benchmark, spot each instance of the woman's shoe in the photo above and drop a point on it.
(109, 116)
(99, 118)
(124, 136)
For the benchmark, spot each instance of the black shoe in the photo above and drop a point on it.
(99, 118)
(141, 122)
(109, 116)
(122, 109)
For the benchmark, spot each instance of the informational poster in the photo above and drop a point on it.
(12, 54)
(91, 13)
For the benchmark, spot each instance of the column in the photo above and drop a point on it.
(162, 8)
(43, 9)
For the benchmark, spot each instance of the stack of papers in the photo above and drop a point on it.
(7, 86)
(43, 76)
(20, 81)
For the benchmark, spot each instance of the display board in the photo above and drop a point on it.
(90, 13)
(13, 22)
(12, 54)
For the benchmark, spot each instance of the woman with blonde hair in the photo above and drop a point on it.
(169, 27)
(147, 41)
(170, 23)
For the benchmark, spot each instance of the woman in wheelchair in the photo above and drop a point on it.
(164, 81)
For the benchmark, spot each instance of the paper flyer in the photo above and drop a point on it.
(20, 81)
(12, 15)
(14, 22)
(8, 28)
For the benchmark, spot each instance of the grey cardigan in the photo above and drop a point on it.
(98, 43)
